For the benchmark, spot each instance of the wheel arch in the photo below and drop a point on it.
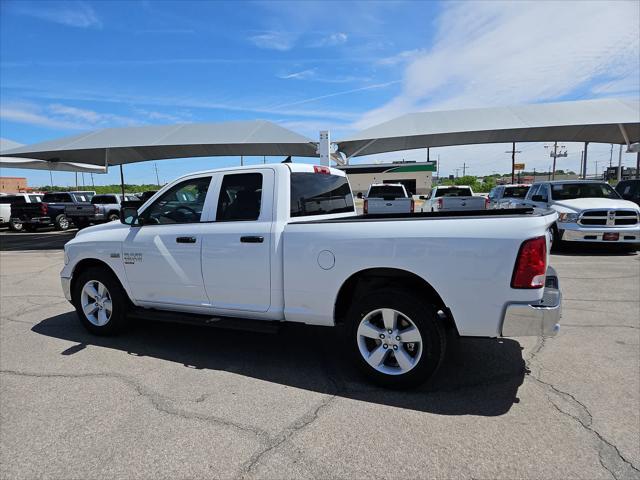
(86, 263)
(365, 280)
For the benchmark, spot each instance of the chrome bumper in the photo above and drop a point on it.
(578, 233)
(540, 319)
(66, 287)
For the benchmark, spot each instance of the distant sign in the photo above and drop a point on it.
(518, 166)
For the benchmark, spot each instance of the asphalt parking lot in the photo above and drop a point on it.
(173, 401)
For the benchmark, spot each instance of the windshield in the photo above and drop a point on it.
(386, 192)
(516, 192)
(454, 192)
(568, 191)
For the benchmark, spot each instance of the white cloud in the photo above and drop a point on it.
(273, 40)
(488, 54)
(301, 75)
(61, 117)
(331, 40)
(73, 14)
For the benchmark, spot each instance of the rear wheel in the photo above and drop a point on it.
(396, 338)
(16, 226)
(113, 217)
(100, 301)
(61, 222)
(81, 223)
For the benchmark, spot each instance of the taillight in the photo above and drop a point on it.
(95, 209)
(365, 207)
(531, 264)
(439, 203)
(324, 170)
(413, 206)
(44, 208)
(486, 202)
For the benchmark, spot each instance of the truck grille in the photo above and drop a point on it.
(608, 218)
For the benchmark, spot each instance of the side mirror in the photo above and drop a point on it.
(129, 216)
(538, 198)
(359, 195)
(424, 197)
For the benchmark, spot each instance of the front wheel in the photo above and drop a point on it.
(100, 301)
(396, 338)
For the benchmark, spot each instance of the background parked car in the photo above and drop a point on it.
(106, 207)
(50, 211)
(629, 190)
(6, 201)
(387, 198)
(507, 196)
(588, 211)
(453, 198)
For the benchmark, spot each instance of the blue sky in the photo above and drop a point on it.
(68, 67)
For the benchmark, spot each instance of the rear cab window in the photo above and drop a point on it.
(453, 192)
(104, 199)
(56, 197)
(314, 193)
(388, 192)
(515, 192)
(13, 199)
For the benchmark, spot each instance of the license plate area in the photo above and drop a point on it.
(611, 237)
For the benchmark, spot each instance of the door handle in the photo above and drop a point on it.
(186, 239)
(252, 239)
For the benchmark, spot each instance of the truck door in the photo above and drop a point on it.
(237, 247)
(162, 256)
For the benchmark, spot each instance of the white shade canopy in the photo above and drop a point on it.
(578, 121)
(33, 164)
(117, 146)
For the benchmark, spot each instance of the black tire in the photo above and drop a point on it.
(117, 322)
(557, 244)
(425, 318)
(61, 222)
(16, 226)
(113, 216)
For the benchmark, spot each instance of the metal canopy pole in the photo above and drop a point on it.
(324, 148)
(620, 163)
(122, 180)
(584, 160)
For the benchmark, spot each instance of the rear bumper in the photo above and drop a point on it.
(32, 220)
(575, 233)
(540, 319)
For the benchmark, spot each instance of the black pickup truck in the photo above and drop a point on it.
(51, 211)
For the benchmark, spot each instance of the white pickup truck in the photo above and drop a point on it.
(275, 243)
(385, 198)
(453, 198)
(588, 211)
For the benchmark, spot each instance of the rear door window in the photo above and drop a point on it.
(13, 199)
(240, 197)
(319, 194)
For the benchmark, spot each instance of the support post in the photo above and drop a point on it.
(121, 180)
(620, 163)
(513, 163)
(77, 181)
(428, 148)
(324, 148)
(584, 160)
(638, 164)
(555, 155)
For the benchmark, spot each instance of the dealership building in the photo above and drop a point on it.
(415, 176)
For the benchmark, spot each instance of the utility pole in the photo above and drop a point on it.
(555, 155)
(581, 161)
(611, 156)
(241, 160)
(51, 177)
(464, 169)
(92, 182)
(513, 161)
(584, 160)
(155, 165)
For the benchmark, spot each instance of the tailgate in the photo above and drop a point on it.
(25, 211)
(379, 205)
(463, 203)
(79, 210)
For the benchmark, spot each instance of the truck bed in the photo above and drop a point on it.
(512, 212)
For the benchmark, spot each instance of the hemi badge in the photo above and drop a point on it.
(115, 255)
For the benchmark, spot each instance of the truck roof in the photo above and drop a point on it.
(559, 182)
(452, 186)
(292, 167)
